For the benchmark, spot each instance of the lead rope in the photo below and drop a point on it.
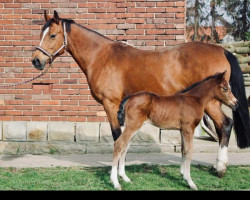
(64, 45)
(24, 82)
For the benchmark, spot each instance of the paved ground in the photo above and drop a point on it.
(88, 160)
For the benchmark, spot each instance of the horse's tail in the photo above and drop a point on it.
(121, 111)
(241, 115)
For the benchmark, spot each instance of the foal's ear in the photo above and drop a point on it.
(46, 16)
(56, 17)
(221, 76)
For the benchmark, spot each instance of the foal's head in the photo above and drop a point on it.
(223, 91)
(52, 42)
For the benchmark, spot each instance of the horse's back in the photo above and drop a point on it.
(164, 71)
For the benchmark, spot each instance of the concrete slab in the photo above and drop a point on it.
(100, 160)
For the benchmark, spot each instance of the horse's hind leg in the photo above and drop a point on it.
(187, 152)
(223, 125)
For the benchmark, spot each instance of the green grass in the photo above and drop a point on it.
(143, 177)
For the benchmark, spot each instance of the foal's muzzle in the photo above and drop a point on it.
(235, 106)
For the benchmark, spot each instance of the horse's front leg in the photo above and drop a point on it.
(223, 125)
(111, 109)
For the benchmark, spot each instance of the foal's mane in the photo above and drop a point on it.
(68, 23)
(198, 83)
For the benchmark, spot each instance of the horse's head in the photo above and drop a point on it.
(53, 41)
(223, 91)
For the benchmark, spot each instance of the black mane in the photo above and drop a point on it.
(68, 23)
(198, 83)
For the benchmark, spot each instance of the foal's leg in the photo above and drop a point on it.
(120, 146)
(187, 134)
(121, 170)
(182, 155)
(223, 125)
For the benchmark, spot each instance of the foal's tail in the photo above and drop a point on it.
(121, 111)
(241, 115)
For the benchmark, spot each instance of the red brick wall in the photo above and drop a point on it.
(63, 93)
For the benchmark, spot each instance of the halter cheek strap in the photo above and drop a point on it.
(64, 45)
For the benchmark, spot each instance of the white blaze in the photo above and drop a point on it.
(44, 34)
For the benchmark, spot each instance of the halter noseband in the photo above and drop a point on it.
(64, 45)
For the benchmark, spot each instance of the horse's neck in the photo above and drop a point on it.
(85, 46)
(204, 92)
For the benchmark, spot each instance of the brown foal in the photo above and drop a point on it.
(182, 111)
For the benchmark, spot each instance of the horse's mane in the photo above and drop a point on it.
(198, 83)
(68, 23)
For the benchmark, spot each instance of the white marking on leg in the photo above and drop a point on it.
(222, 159)
(182, 166)
(114, 178)
(121, 170)
(44, 34)
(186, 174)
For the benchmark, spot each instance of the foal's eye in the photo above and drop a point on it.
(225, 89)
(52, 36)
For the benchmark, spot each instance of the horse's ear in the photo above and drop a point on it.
(46, 16)
(56, 17)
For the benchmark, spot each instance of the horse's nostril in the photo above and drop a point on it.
(36, 62)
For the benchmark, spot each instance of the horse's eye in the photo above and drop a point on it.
(52, 36)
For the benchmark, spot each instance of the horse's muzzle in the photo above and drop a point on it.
(38, 64)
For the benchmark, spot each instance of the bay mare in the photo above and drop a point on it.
(115, 70)
(182, 111)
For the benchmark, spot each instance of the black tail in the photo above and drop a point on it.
(241, 115)
(121, 111)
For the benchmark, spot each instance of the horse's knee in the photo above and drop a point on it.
(116, 133)
(228, 125)
(226, 131)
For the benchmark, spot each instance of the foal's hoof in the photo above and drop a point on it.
(194, 187)
(126, 179)
(118, 187)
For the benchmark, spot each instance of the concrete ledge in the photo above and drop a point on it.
(14, 131)
(91, 138)
(73, 137)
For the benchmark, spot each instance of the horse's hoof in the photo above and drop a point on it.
(220, 174)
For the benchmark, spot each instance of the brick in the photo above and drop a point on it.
(14, 131)
(174, 32)
(125, 26)
(134, 32)
(50, 102)
(155, 10)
